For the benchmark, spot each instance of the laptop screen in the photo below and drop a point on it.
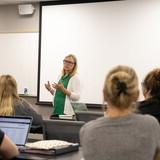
(17, 128)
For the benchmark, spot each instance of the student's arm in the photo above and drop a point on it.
(157, 138)
(8, 149)
(27, 110)
(157, 156)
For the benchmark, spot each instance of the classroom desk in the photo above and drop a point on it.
(76, 155)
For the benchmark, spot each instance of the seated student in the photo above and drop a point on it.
(12, 104)
(121, 134)
(8, 149)
(151, 92)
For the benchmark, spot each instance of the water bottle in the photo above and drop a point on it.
(25, 91)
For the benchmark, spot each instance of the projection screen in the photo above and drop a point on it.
(101, 35)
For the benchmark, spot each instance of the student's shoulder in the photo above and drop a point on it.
(95, 123)
(146, 119)
(21, 102)
(149, 103)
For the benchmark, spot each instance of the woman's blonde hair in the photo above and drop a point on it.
(74, 71)
(121, 87)
(8, 93)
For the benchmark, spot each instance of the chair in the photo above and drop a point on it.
(36, 129)
(79, 107)
(88, 115)
(62, 130)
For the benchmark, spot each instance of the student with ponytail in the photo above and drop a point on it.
(121, 134)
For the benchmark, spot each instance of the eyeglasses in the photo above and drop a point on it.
(68, 62)
(142, 84)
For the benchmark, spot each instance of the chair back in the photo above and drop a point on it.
(62, 130)
(88, 115)
(79, 107)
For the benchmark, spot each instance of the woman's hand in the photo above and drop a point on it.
(61, 87)
(48, 86)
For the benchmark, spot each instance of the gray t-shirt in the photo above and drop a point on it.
(134, 137)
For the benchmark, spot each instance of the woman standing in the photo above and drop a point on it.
(67, 89)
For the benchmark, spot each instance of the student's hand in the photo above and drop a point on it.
(48, 86)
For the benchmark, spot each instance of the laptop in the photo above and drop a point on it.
(16, 128)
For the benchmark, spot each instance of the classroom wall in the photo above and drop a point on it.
(12, 22)
(19, 46)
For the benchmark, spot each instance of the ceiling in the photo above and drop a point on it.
(6, 2)
(10, 2)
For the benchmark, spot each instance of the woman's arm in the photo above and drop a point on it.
(61, 87)
(8, 149)
(73, 89)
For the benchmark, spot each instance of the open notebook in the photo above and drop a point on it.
(16, 127)
(51, 147)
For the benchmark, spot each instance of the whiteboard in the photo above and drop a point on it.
(19, 58)
(101, 35)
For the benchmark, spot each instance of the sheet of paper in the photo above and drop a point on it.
(48, 144)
